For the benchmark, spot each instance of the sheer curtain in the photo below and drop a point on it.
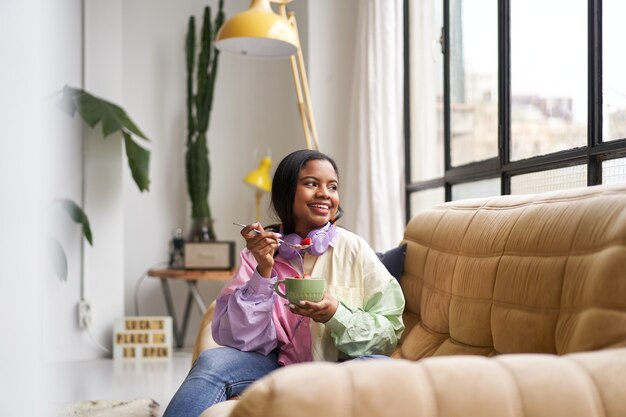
(374, 178)
(426, 89)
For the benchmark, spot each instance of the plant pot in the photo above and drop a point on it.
(201, 230)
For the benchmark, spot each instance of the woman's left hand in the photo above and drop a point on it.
(321, 312)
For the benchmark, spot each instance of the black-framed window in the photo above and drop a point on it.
(512, 97)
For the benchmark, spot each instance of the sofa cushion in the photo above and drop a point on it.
(586, 384)
(393, 260)
(541, 273)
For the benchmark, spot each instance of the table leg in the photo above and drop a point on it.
(185, 322)
(192, 295)
(193, 289)
(170, 308)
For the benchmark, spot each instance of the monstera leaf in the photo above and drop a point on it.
(113, 118)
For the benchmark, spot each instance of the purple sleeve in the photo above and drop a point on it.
(243, 312)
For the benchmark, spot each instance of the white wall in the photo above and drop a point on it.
(40, 154)
(60, 46)
(71, 143)
(331, 44)
(104, 164)
(21, 160)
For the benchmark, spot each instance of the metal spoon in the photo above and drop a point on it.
(291, 245)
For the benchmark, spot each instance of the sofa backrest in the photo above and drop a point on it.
(512, 274)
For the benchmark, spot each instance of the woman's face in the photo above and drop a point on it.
(317, 196)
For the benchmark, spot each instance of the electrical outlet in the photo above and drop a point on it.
(84, 314)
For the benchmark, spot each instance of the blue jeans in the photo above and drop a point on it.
(217, 375)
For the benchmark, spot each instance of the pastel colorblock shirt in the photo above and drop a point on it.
(249, 315)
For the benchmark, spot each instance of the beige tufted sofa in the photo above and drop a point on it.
(515, 306)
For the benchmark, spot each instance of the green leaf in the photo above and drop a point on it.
(59, 260)
(190, 48)
(198, 176)
(94, 110)
(138, 161)
(113, 117)
(78, 215)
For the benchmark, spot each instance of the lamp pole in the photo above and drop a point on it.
(301, 81)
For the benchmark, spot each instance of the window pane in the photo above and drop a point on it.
(476, 189)
(554, 179)
(421, 200)
(548, 76)
(614, 62)
(473, 80)
(426, 89)
(614, 171)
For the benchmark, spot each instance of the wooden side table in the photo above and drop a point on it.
(191, 276)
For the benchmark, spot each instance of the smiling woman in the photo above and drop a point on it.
(359, 314)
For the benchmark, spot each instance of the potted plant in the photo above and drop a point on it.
(201, 77)
(113, 119)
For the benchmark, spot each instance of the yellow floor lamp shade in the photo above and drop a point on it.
(258, 32)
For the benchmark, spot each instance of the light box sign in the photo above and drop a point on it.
(142, 337)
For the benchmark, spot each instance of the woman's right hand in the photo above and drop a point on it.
(262, 245)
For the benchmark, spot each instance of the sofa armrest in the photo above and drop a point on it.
(532, 385)
(204, 339)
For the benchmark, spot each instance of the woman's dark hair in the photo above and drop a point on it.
(285, 183)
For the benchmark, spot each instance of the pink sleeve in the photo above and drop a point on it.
(244, 308)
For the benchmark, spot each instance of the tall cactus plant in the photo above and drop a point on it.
(200, 86)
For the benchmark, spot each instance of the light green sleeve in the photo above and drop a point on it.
(373, 329)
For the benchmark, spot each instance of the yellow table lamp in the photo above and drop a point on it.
(261, 181)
